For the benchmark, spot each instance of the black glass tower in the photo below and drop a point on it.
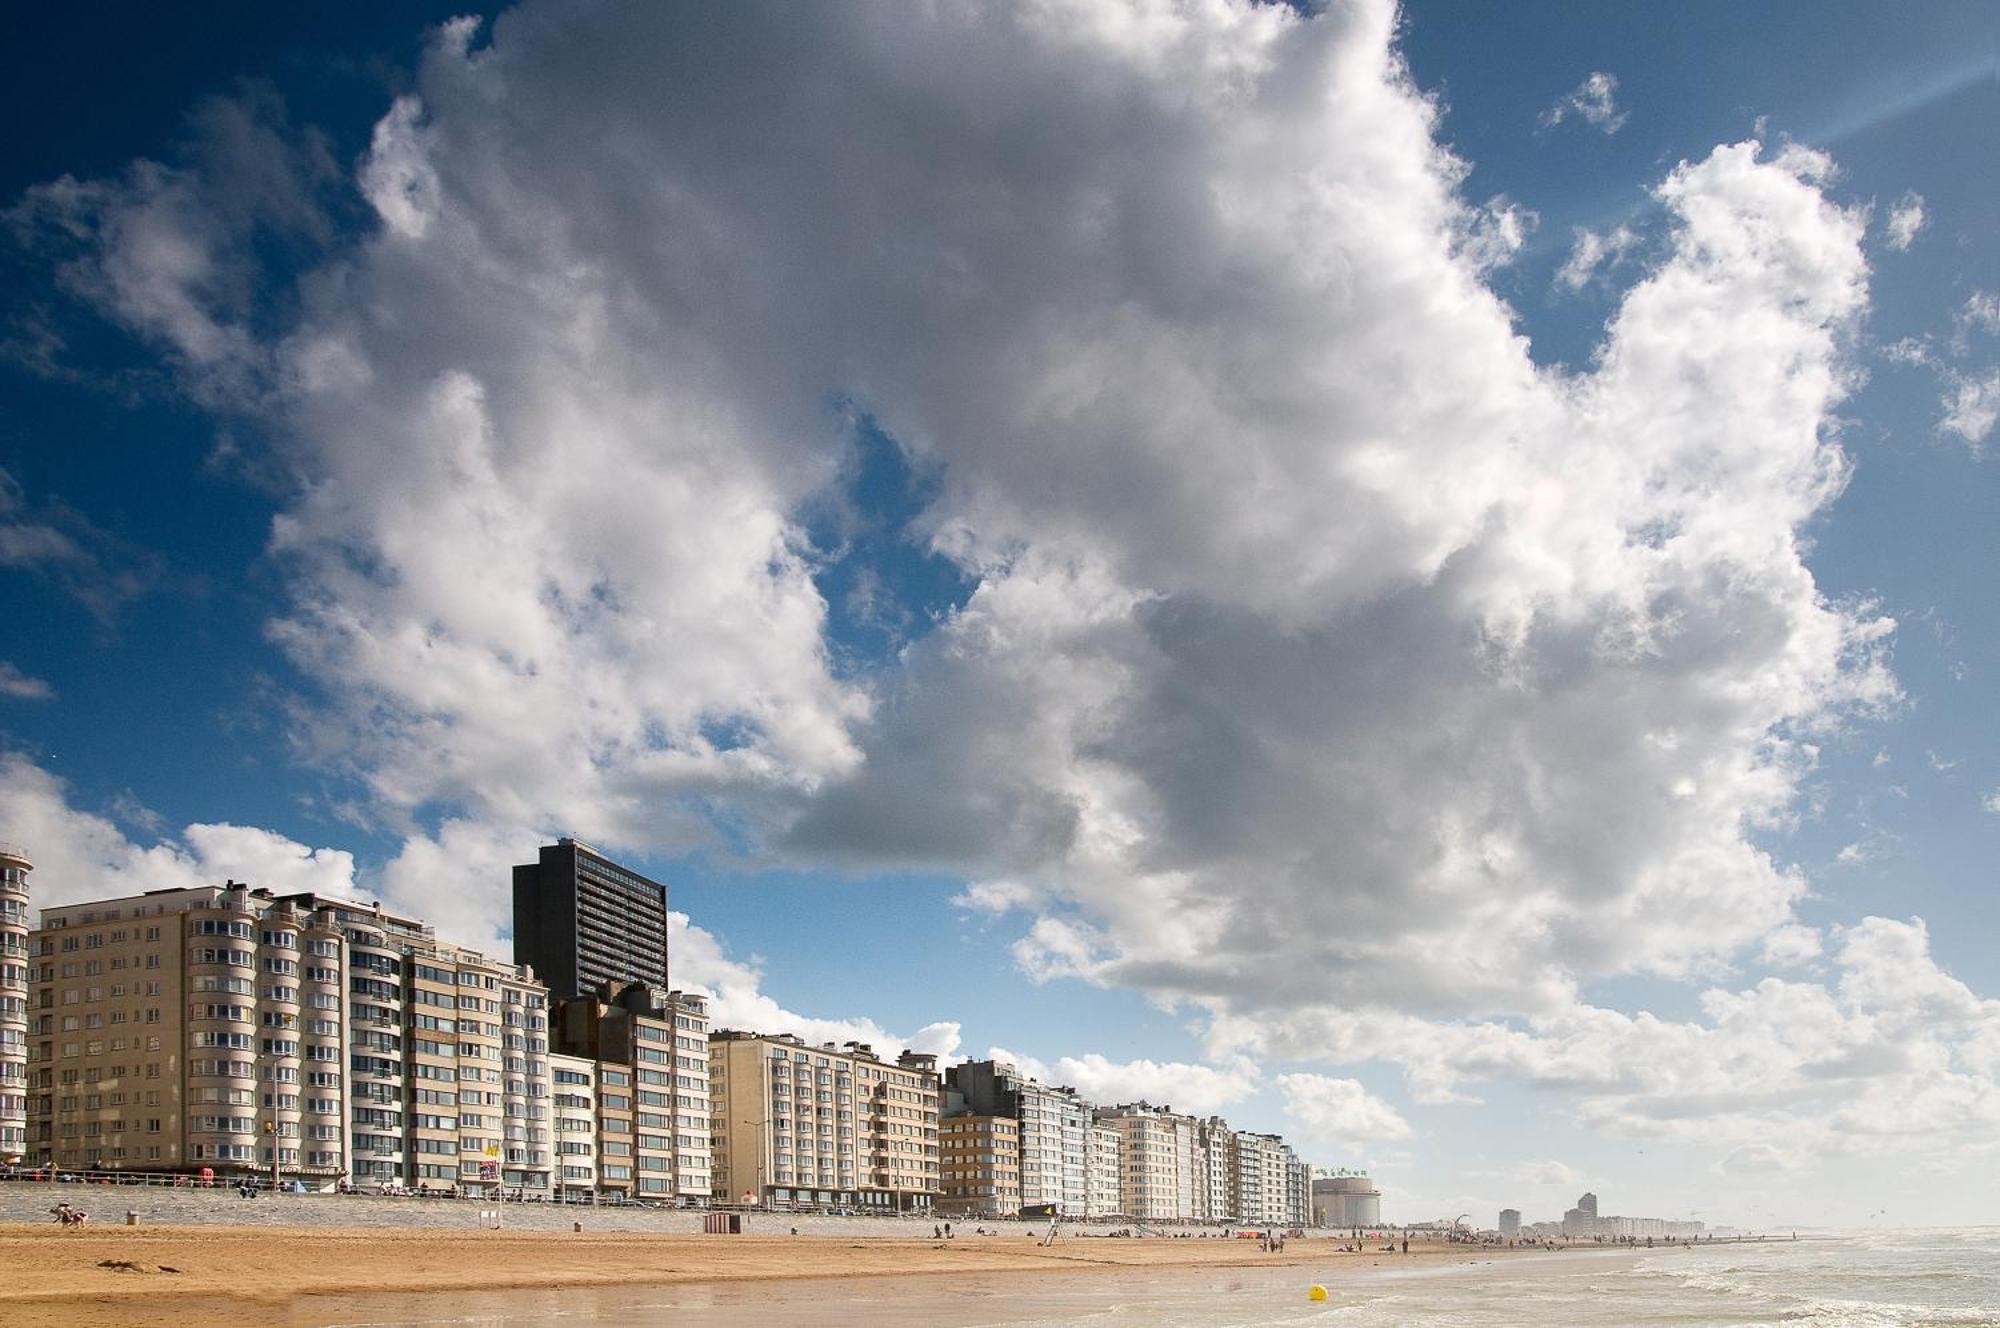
(582, 920)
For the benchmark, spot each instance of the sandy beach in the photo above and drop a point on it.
(158, 1275)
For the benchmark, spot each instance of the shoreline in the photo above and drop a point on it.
(255, 1274)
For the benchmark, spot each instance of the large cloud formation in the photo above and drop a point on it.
(1325, 652)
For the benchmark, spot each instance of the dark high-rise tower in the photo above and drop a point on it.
(582, 920)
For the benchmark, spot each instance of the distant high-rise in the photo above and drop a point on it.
(1510, 1223)
(1587, 1205)
(581, 920)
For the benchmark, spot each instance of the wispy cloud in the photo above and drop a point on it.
(1906, 218)
(65, 548)
(21, 687)
(1591, 253)
(1594, 101)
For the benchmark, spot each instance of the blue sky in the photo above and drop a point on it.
(1157, 506)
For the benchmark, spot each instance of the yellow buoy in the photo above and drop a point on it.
(1317, 1292)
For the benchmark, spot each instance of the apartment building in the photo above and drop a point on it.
(185, 1029)
(827, 1125)
(1214, 1171)
(1264, 1167)
(650, 1049)
(232, 1029)
(573, 1082)
(979, 1161)
(1298, 1190)
(448, 1060)
(1105, 1162)
(14, 929)
(1156, 1178)
(1055, 1131)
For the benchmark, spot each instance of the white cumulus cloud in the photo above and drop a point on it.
(1339, 1112)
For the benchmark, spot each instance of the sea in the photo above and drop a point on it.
(1877, 1279)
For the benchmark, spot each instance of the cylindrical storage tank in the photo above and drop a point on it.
(1347, 1201)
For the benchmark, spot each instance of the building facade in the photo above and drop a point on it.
(1271, 1182)
(1156, 1160)
(979, 1161)
(14, 929)
(573, 1113)
(650, 1050)
(189, 1029)
(1055, 1131)
(228, 1029)
(448, 1059)
(1105, 1161)
(581, 920)
(831, 1125)
(1214, 1171)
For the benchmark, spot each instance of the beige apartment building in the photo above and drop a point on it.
(14, 929)
(979, 1166)
(449, 1060)
(189, 1029)
(830, 1125)
(227, 1028)
(1156, 1161)
(650, 1052)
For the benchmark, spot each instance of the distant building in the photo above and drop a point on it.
(581, 920)
(1582, 1219)
(1342, 1201)
(1510, 1223)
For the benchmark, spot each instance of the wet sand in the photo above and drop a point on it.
(111, 1275)
(1398, 1293)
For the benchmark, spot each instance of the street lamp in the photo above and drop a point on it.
(269, 1077)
